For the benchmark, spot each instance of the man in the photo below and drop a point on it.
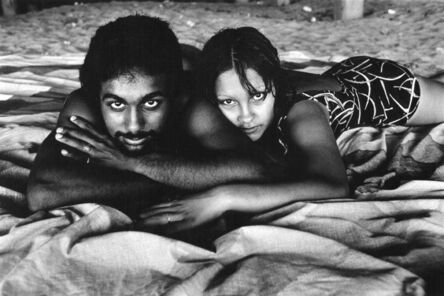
(121, 140)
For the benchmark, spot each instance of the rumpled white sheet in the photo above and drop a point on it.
(313, 249)
(332, 248)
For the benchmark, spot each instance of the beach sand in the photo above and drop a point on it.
(408, 31)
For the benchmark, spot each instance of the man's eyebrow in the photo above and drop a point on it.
(153, 95)
(144, 98)
(112, 96)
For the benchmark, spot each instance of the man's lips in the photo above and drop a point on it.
(135, 141)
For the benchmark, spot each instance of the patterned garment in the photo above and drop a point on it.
(374, 93)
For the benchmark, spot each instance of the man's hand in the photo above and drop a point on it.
(189, 213)
(97, 147)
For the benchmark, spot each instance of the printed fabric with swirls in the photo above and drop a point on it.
(374, 92)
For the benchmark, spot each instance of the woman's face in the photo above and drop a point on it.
(252, 113)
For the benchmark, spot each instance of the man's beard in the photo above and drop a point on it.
(149, 142)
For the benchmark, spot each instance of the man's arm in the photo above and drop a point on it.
(56, 180)
(234, 158)
(222, 154)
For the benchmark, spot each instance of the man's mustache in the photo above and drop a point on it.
(151, 134)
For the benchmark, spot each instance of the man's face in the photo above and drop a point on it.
(134, 108)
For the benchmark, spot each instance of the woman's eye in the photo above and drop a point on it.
(259, 96)
(117, 105)
(227, 102)
(151, 104)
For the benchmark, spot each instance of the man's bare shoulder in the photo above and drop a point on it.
(81, 104)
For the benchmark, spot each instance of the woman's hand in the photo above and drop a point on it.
(97, 147)
(185, 214)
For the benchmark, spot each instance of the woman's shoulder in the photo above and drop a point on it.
(302, 113)
(306, 109)
(307, 124)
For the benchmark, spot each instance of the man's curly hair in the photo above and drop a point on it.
(133, 43)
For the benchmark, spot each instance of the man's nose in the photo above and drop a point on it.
(134, 122)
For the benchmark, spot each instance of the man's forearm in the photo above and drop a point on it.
(208, 170)
(58, 181)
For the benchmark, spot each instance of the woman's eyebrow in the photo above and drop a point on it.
(223, 97)
(259, 86)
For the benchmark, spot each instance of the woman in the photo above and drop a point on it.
(294, 117)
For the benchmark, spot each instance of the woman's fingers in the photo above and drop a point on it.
(164, 218)
(160, 211)
(171, 204)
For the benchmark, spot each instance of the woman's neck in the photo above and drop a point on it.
(270, 142)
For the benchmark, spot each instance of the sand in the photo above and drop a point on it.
(408, 31)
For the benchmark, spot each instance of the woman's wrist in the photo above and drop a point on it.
(226, 198)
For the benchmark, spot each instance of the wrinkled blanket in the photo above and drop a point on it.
(388, 239)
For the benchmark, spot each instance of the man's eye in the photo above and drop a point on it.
(259, 96)
(150, 104)
(117, 105)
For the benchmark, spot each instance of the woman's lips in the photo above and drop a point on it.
(250, 130)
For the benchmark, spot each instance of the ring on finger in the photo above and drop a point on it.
(87, 148)
(168, 219)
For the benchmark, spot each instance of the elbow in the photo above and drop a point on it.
(340, 189)
(332, 187)
(343, 190)
(38, 197)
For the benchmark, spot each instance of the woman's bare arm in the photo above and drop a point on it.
(316, 173)
(318, 169)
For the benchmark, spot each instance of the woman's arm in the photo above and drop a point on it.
(316, 166)
(317, 172)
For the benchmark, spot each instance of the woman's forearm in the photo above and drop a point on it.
(259, 198)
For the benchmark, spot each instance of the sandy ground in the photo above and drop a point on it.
(412, 33)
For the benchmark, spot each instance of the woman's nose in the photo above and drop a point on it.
(246, 114)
